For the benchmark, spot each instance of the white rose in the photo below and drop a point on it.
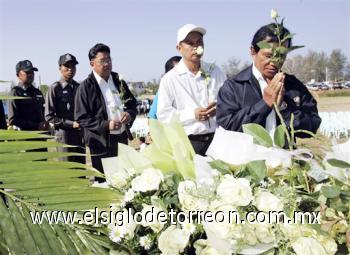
(273, 14)
(118, 179)
(150, 218)
(211, 251)
(235, 191)
(149, 180)
(199, 50)
(249, 235)
(188, 198)
(266, 202)
(308, 246)
(129, 195)
(172, 240)
(224, 237)
(328, 244)
(264, 233)
(187, 187)
(292, 231)
(228, 213)
(145, 242)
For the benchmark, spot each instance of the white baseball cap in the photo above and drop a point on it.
(186, 29)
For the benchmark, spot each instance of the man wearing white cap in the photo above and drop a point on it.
(190, 90)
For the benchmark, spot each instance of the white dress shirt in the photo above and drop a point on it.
(112, 100)
(270, 124)
(181, 92)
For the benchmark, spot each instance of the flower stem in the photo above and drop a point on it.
(283, 125)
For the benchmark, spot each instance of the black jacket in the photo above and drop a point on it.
(240, 102)
(26, 113)
(59, 108)
(90, 110)
(3, 124)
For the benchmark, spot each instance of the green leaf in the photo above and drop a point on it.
(24, 235)
(4, 97)
(18, 146)
(330, 191)
(21, 135)
(338, 163)
(279, 137)
(9, 231)
(221, 166)
(264, 45)
(282, 50)
(294, 48)
(257, 170)
(287, 36)
(30, 156)
(260, 135)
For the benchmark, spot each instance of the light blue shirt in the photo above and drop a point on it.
(153, 111)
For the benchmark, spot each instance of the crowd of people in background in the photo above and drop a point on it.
(99, 112)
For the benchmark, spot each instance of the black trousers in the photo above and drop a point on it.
(111, 151)
(71, 137)
(201, 143)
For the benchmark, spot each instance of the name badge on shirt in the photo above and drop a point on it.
(65, 91)
(40, 96)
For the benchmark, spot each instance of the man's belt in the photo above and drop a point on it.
(201, 138)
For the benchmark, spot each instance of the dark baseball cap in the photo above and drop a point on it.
(64, 59)
(25, 65)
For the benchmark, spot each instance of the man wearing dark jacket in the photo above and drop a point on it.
(249, 96)
(3, 124)
(104, 107)
(27, 114)
(59, 109)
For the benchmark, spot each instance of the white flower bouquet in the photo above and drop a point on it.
(183, 203)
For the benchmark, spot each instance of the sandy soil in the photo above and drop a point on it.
(333, 104)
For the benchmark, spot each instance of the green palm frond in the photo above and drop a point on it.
(19, 235)
(53, 185)
(31, 185)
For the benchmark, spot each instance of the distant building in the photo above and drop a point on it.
(137, 87)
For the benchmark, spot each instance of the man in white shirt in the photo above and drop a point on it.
(104, 107)
(190, 89)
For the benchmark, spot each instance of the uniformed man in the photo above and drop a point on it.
(27, 114)
(3, 124)
(59, 109)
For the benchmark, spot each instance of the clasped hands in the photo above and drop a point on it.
(203, 114)
(274, 91)
(115, 125)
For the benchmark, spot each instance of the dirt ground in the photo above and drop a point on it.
(333, 104)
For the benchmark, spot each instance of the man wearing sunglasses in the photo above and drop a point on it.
(104, 107)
